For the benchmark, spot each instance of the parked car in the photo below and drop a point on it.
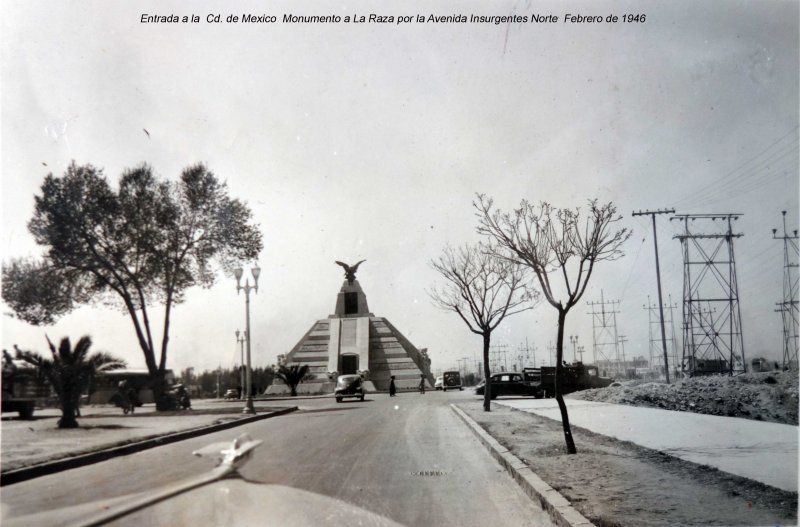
(510, 383)
(451, 380)
(231, 393)
(349, 386)
(439, 383)
(574, 377)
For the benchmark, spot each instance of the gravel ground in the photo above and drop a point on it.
(616, 484)
(768, 396)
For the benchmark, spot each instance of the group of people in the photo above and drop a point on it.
(393, 388)
(127, 397)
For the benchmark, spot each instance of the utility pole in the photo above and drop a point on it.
(622, 341)
(550, 350)
(652, 214)
(653, 320)
(580, 352)
(788, 307)
(573, 339)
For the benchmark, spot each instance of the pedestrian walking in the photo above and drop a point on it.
(392, 388)
(422, 383)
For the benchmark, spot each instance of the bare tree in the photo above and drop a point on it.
(554, 242)
(483, 289)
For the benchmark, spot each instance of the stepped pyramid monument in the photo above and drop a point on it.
(354, 341)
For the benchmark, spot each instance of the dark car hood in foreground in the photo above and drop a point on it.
(231, 502)
(216, 498)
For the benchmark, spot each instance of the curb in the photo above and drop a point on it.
(556, 505)
(51, 467)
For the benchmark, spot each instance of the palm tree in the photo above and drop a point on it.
(292, 375)
(69, 371)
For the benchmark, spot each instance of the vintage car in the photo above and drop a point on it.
(439, 383)
(349, 386)
(451, 380)
(510, 383)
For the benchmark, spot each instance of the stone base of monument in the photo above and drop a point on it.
(354, 340)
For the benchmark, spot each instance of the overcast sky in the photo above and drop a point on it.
(369, 141)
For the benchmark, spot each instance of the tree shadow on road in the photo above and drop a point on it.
(105, 427)
(321, 410)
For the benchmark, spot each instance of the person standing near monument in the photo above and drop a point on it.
(422, 383)
(392, 388)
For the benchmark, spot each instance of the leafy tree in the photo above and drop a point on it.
(293, 375)
(262, 378)
(555, 242)
(188, 376)
(145, 243)
(482, 289)
(70, 371)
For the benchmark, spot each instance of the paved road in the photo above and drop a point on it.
(765, 452)
(408, 458)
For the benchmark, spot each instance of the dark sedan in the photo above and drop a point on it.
(511, 383)
(349, 386)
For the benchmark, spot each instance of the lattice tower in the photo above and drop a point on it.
(712, 325)
(788, 307)
(605, 341)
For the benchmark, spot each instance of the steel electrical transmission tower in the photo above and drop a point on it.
(526, 354)
(495, 351)
(712, 322)
(788, 307)
(604, 335)
(657, 340)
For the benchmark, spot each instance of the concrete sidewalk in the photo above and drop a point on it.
(765, 452)
(31, 448)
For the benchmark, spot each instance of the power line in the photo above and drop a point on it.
(729, 178)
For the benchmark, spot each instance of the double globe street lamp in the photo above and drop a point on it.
(238, 272)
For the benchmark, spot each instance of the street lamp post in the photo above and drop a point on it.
(248, 407)
(240, 341)
(574, 340)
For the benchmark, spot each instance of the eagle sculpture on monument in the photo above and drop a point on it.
(350, 270)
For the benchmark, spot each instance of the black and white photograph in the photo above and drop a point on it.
(445, 263)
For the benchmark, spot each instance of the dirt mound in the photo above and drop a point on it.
(768, 396)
